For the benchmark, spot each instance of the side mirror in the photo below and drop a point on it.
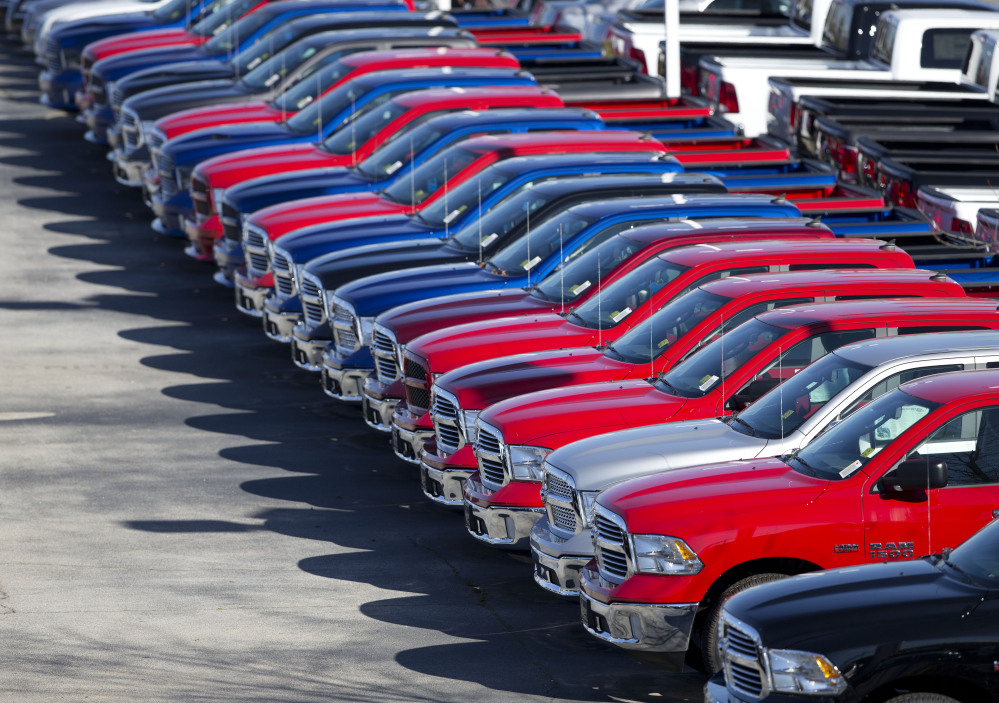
(753, 392)
(914, 475)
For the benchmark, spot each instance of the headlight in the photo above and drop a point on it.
(70, 58)
(217, 195)
(365, 327)
(527, 463)
(658, 554)
(469, 427)
(587, 499)
(804, 672)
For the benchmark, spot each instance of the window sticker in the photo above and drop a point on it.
(618, 316)
(528, 264)
(576, 290)
(393, 167)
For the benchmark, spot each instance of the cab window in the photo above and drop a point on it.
(969, 445)
(895, 380)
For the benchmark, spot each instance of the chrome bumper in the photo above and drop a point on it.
(648, 627)
(443, 487)
(377, 411)
(250, 301)
(499, 525)
(129, 173)
(278, 324)
(342, 384)
(558, 561)
(308, 354)
(403, 443)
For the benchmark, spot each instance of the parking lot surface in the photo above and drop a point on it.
(186, 517)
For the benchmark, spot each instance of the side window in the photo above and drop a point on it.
(825, 267)
(744, 315)
(861, 296)
(895, 380)
(944, 48)
(969, 445)
(926, 329)
(808, 350)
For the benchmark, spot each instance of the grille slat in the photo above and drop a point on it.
(607, 530)
(742, 658)
(415, 371)
(563, 517)
(313, 312)
(284, 285)
(258, 262)
(417, 398)
(613, 563)
(556, 486)
(310, 289)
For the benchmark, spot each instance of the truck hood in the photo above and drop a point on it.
(408, 322)
(282, 218)
(597, 462)
(154, 62)
(449, 348)
(384, 257)
(203, 117)
(312, 242)
(847, 613)
(155, 103)
(674, 503)
(257, 193)
(296, 153)
(194, 147)
(553, 418)
(95, 27)
(479, 385)
(150, 38)
(373, 295)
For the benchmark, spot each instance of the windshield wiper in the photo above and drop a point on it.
(609, 347)
(669, 387)
(752, 431)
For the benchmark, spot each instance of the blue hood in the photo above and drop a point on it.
(250, 196)
(373, 295)
(154, 103)
(195, 147)
(84, 31)
(162, 60)
(311, 242)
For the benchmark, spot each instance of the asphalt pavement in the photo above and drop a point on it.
(185, 515)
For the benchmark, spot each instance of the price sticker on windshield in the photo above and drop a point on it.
(707, 382)
(528, 264)
(393, 167)
(576, 290)
(488, 240)
(618, 316)
(253, 64)
(451, 215)
(275, 77)
(850, 469)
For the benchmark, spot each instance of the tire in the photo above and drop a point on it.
(922, 698)
(710, 652)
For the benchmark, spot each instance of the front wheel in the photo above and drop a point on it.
(710, 649)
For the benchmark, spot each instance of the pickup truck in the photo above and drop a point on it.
(353, 304)
(738, 87)
(665, 561)
(954, 209)
(503, 496)
(567, 287)
(424, 186)
(781, 421)
(555, 184)
(272, 69)
(340, 129)
(868, 653)
(577, 374)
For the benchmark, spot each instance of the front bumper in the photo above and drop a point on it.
(557, 561)
(249, 295)
(410, 432)
(202, 237)
(280, 316)
(98, 120)
(661, 628)
(229, 258)
(59, 89)
(308, 345)
(501, 525)
(339, 380)
(378, 402)
(442, 479)
(715, 691)
(129, 172)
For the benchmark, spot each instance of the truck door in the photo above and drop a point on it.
(912, 524)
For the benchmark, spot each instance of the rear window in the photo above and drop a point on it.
(836, 32)
(944, 48)
(884, 42)
(801, 14)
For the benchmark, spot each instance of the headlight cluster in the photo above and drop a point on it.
(659, 554)
(587, 499)
(792, 671)
(527, 463)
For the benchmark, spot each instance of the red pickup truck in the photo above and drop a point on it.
(912, 473)
(571, 374)
(421, 188)
(568, 286)
(499, 495)
(620, 307)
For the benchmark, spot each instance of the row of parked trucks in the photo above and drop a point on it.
(674, 347)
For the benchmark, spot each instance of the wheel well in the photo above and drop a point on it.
(961, 689)
(775, 565)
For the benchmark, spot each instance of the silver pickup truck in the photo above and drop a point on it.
(785, 419)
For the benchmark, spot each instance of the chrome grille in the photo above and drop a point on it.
(607, 530)
(253, 237)
(157, 140)
(313, 313)
(52, 55)
(562, 517)
(284, 285)
(201, 205)
(444, 412)
(130, 129)
(344, 329)
(742, 659)
(489, 452)
(311, 289)
(415, 371)
(229, 212)
(198, 184)
(613, 563)
(609, 545)
(488, 442)
(311, 295)
(417, 397)
(383, 349)
(117, 97)
(556, 486)
(444, 407)
(168, 185)
(96, 88)
(284, 274)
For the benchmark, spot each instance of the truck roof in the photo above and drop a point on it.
(877, 352)
(912, 310)
(787, 250)
(757, 228)
(323, 19)
(947, 388)
(747, 284)
(706, 201)
(518, 115)
(536, 140)
(380, 78)
(411, 57)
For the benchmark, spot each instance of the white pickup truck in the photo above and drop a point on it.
(909, 45)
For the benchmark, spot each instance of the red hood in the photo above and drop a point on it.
(480, 385)
(230, 169)
(137, 41)
(451, 347)
(282, 218)
(414, 319)
(185, 121)
(705, 503)
(555, 417)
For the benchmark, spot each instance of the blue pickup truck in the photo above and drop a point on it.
(350, 304)
(175, 160)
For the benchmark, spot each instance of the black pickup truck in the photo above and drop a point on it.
(921, 631)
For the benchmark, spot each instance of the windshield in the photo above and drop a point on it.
(494, 226)
(845, 448)
(424, 180)
(522, 255)
(978, 556)
(626, 295)
(836, 31)
(266, 47)
(228, 40)
(784, 409)
(650, 339)
(466, 196)
(172, 11)
(275, 68)
(400, 149)
(305, 91)
(222, 15)
(571, 280)
(362, 126)
(335, 102)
